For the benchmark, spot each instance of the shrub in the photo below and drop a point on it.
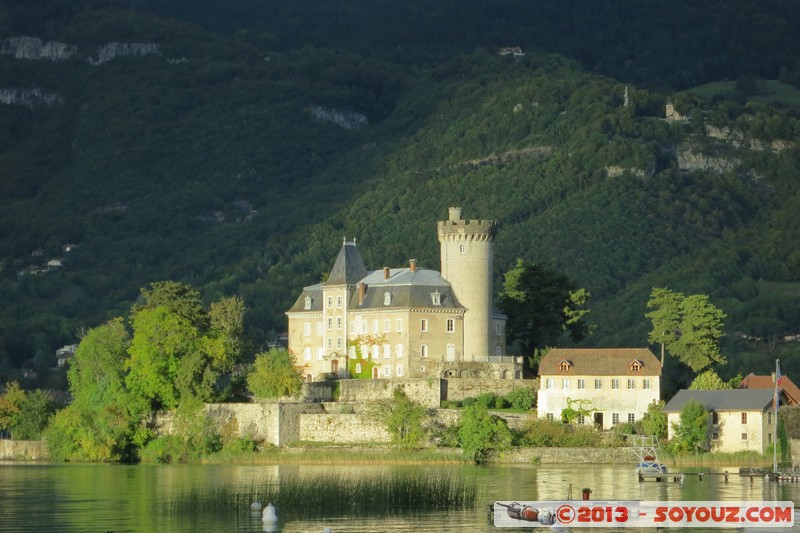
(481, 433)
(486, 400)
(451, 404)
(500, 402)
(544, 433)
(466, 402)
(521, 398)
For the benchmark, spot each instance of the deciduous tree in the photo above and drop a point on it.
(274, 374)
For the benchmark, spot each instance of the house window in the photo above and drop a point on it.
(550, 416)
(769, 417)
(563, 366)
(450, 325)
(399, 350)
(715, 418)
(338, 322)
(376, 352)
(423, 325)
(615, 418)
(714, 435)
(636, 366)
(339, 302)
(581, 419)
(351, 352)
(598, 384)
(646, 384)
(581, 384)
(330, 323)
(307, 353)
(387, 371)
(565, 383)
(399, 371)
(436, 298)
(614, 383)
(364, 351)
(497, 329)
(330, 301)
(387, 325)
(631, 384)
(744, 436)
(330, 343)
(631, 418)
(387, 351)
(398, 326)
(307, 303)
(339, 344)
(307, 329)
(548, 383)
(423, 350)
(387, 298)
(744, 418)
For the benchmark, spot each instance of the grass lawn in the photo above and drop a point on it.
(770, 92)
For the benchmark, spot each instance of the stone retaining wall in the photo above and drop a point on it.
(22, 450)
(426, 391)
(459, 388)
(571, 456)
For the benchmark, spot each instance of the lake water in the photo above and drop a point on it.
(120, 498)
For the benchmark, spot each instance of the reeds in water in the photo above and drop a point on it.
(330, 496)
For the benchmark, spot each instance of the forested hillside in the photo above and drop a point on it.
(233, 146)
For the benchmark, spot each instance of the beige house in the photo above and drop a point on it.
(740, 419)
(606, 386)
(404, 322)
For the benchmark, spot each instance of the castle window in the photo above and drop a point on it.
(399, 325)
(319, 328)
(423, 325)
(497, 329)
(320, 353)
(387, 371)
(339, 343)
(423, 350)
(376, 351)
(307, 353)
(462, 248)
(338, 322)
(436, 297)
(330, 302)
(498, 350)
(351, 352)
(387, 351)
(307, 329)
(387, 298)
(399, 371)
(330, 323)
(330, 343)
(358, 368)
(307, 304)
(399, 350)
(387, 325)
(339, 302)
(374, 326)
(450, 325)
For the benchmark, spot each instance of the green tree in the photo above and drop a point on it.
(404, 419)
(691, 433)
(480, 433)
(274, 375)
(709, 380)
(689, 327)
(654, 421)
(25, 414)
(180, 298)
(542, 305)
(11, 403)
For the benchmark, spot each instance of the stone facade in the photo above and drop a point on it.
(459, 388)
(403, 322)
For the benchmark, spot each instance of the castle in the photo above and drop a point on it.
(409, 322)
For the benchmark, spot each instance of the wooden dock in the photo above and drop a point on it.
(678, 477)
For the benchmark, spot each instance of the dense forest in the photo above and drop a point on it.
(231, 146)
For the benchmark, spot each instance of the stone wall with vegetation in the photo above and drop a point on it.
(427, 391)
(571, 456)
(342, 428)
(457, 389)
(22, 450)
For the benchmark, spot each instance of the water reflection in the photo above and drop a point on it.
(79, 498)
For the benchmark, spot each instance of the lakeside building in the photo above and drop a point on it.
(605, 386)
(408, 322)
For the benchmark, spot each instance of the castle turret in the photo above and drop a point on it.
(466, 254)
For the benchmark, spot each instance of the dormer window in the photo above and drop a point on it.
(436, 297)
(564, 365)
(307, 304)
(636, 366)
(387, 298)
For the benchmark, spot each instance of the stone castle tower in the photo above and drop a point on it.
(467, 263)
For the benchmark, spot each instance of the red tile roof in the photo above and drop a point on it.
(765, 382)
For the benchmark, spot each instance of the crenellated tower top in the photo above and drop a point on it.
(454, 228)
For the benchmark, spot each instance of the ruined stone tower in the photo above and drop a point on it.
(466, 255)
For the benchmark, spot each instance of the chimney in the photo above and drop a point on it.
(362, 289)
(385, 272)
(412, 265)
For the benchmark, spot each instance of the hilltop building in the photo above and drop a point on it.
(408, 322)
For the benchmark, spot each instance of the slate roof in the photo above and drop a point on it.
(765, 382)
(600, 362)
(408, 288)
(722, 400)
(349, 267)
